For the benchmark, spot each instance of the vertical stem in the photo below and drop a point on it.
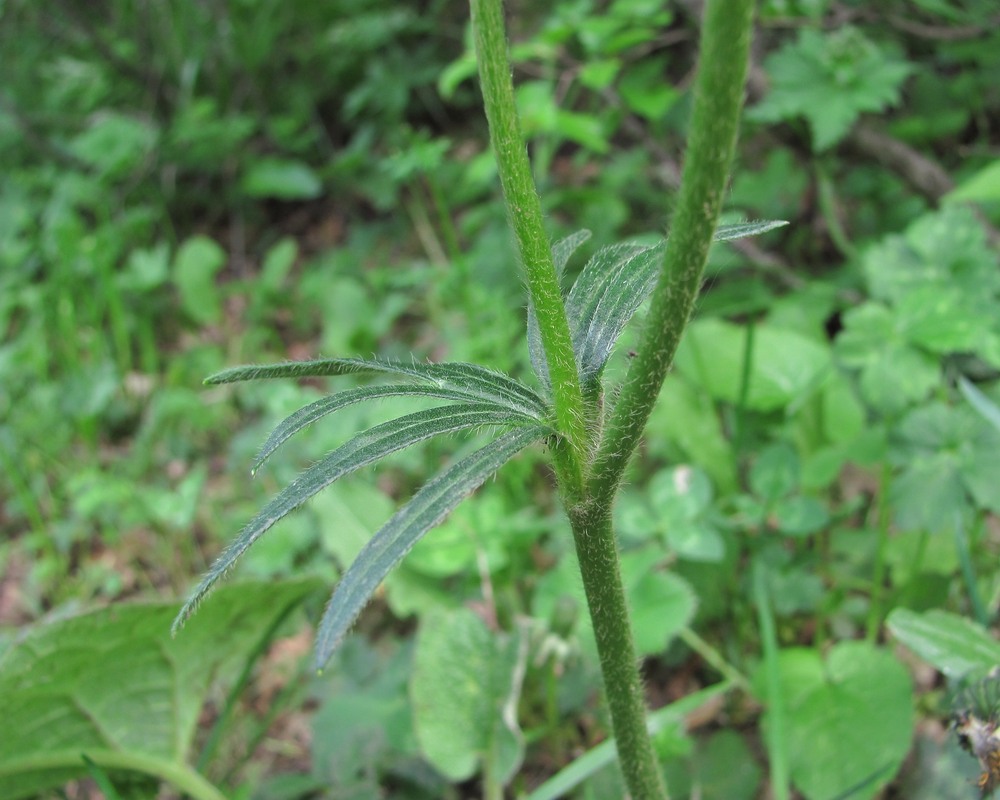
(875, 609)
(777, 742)
(725, 47)
(599, 566)
(525, 212)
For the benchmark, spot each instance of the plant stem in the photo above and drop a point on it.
(175, 773)
(597, 552)
(777, 741)
(725, 44)
(525, 212)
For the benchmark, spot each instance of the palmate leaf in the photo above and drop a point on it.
(481, 382)
(431, 504)
(365, 448)
(327, 405)
(607, 293)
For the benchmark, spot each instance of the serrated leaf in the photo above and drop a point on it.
(327, 405)
(365, 448)
(829, 79)
(955, 645)
(426, 508)
(112, 685)
(484, 383)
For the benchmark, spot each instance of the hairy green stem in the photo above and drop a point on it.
(597, 552)
(725, 45)
(525, 212)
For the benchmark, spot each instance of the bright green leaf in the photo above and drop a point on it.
(786, 366)
(112, 685)
(955, 645)
(848, 719)
(284, 179)
(196, 264)
(465, 689)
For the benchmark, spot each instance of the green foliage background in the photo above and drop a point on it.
(189, 186)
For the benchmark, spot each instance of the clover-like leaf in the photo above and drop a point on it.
(431, 504)
(829, 79)
(365, 448)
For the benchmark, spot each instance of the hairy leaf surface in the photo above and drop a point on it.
(327, 405)
(431, 504)
(484, 383)
(366, 448)
(609, 290)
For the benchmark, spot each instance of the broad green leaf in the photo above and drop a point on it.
(113, 686)
(947, 454)
(786, 366)
(195, 266)
(365, 448)
(894, 374)
(829, 79)
(282, 178)
(955, 645)
(115, 145)
(946, 249)
(775, 473)
(465, 688)
(983, 186)
(327, 405)
(426, 508)
(688, 419)
(662, 602)
(849, 718)
(486, 384)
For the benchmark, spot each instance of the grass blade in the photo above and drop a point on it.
(327, 405)
(487, 384)
(365, 448)
(431, 504)
(581, 768)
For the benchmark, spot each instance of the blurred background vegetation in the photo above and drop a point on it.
(193, 184)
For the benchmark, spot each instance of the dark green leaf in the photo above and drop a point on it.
(365, 448)
(481, 382)
(327, 405)
(424, 510)
(609, 290)
(112, 685)
(613, 285)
